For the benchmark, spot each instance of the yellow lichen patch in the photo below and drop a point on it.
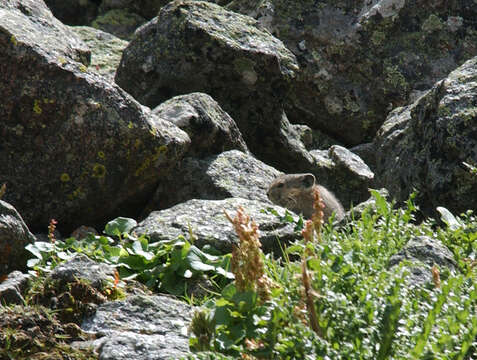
(99, 171)
(3, 190)
(13, 40)
(101, 155)
(161, 149)
(65, 177)
(36, 107)
(137, 144)
(77, 193)
(130, 125)
(150, 160)
(83, 68)
(48, 101)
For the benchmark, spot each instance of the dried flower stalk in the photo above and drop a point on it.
(246, 263)
(311, 228)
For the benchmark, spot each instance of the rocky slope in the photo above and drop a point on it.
(205, 105)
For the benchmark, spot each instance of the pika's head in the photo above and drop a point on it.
(284, 189)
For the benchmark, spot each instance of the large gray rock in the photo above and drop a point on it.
(74, 147)
(13, 288)
(343, 172)
(141, 327)
(14, 236)
(423, 146)
(198, 46)
(359, 59)
(29, 23)
(422, 253)
(230, 174)
(80, 267)
(210, 128)
(209, 226)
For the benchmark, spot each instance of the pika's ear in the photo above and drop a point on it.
(308, 180)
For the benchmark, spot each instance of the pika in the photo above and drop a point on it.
(295, 192)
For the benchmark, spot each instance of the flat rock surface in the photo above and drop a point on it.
(208, 224)
(141, 327)
(229, 174)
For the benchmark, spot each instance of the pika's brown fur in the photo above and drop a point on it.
(295, 192)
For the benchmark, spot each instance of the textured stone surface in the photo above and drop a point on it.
(198, 46)
(424, 252)
(106, 50)
(343, 172)
(30, 23)
(230, 174)
(208, 224)
(210, 128)
(12, 289)
(74, 147)
(359, 59)
(141, 327)
(80, 267)
(423, 146)
(14, 236)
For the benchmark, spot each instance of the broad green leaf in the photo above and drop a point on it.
(449, 219)
(63, 255)
(224, 273)
(138, 250)
(187, 274)
(119, 226)
(195, 259)
(33, 262)
(39, 247)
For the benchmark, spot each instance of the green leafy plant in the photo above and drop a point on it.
(168, 266)
(365, 309)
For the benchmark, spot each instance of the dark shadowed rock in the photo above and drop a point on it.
(14, 236)
(424, 146)
(208, 224)
(146, 8)
(210, 129)
(230, 174)
(120, 22)
(198, 46)
(343, 172)
(73, 12)
(13, 288)
(74, 147)
(367, 152)
(359, 59)
(141, 327)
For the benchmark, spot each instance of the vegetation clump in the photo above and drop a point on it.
(332, 295)
(344, 300)
(35, 332)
